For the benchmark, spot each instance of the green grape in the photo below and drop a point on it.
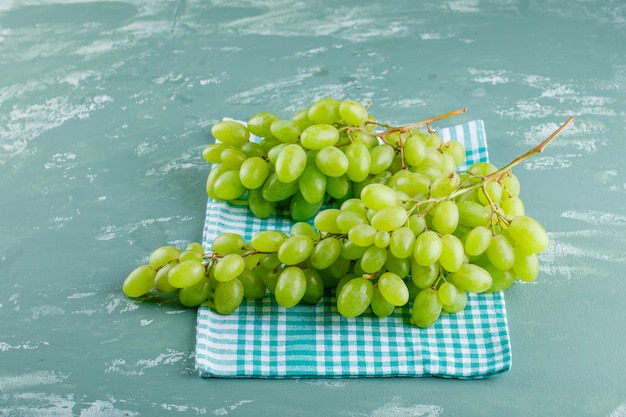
(161, 282)
(285, 130)
(381, 157)
(272, 154)
(252, 259)
(275, 190)
(339, 268)
(228, 296)
(452, 253)
(411, 183)
(472, 278)
(228, 186)
(186, 274)
(448, 163)
(529, 234)
(230, 132)
(314, 287)
(295, 249)
(301, 118)
(290, 287)
(393, 288)
(270, 277)
(363, 137)
(355, 205)
(270, 260)
(402, 242)
(511, 185)
(232, 158)
(312, 184)
(325, 110)
(253, 172)
(362, 235)
(482, 169)
(525, 266)
(359, 161)
(445, 217)
(253, 149)
(500, 253)
(319, 136)
(346, 220)
(444, 184)
(414, 151)
(477, 240)
(416, 223)
(302, 210)
(500, 280)
(426, 308)
(229, 267)
(258, 205)
(260, 124)
(212, 153)
(472, 214)
(373, 259)
(381, 239)
(267, 240)
(459, 303)
(290, 163)
(163, 255)
(216, 171)
(338, 187)
(352, 112)
(267, 144)
(227, 243)
(378, 196)
(326, 221)
(253, 284)
(351, 251)
(342, 281)
(424, 276)
(332, 162)
(195, 246)
(380, 306)
(303, 228)
(140, 281)
(196, 294)
(389, 218)
(491, 191)
(427, 248)
(413, 289)
(355, 297)
(456, 150)
(399, 266)
(325, 252)
(513, 207)
(433, 140)
(447, 293)
(191, 254)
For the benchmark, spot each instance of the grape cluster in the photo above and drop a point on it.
(381, 219)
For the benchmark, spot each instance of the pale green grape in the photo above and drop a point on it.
(163, 255)
(216, 171)
(253, 172)
(482, 169)
(500, 280)
(346, 220)
(456, 150)
(232, 157)
(416, 223)
(191, 254)
(332, 162)
(352, 112)
(186, 274)
(378, 196)
(319, 136)
(295, 249)
(339, 268)
(380, 306)
(363, 137)
(354, 205)
(314, 287)
(426, 308)
(477, 240)
(229, 267)
(424, 276)
(230, 132)
(161, 281)
(195, 246)
(445, 217)
(290, 163)
(381, 157)
(491, 191)
(326, 221)
(460, 302)
(325, 252)
(211, 153)
(275, 190)
(362, 235)
(359, 161)
(140, 281)
(252, 149)
(338, 187)
(303, 228)
(196, 294)
(447, 293)
(272, 154)
(411, 183)
(472, 278)
(445, 184)
(285, 130)
(270, 260)
(228, 186)
(351, 251)
(399, 266)
(355, 297)
(529, 234)
(226, 243)
(373, 259)
(312, 184)
(290, 287)
(389, 218)
(270, 276)
(261, 123)
(472, 214)
(427, 248)
(302, 210)
(511, 185)
(393, 289)
(381, 239)
(513, 207)
(267, 240)
(500, 253)
(402, 242)
(253, 284)
(325, 110)
(228, 296)
(414, 151)
(258, 205)
(452, 253)
(525, 266)
(301, 118)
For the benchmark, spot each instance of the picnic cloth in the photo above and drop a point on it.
(264, 340)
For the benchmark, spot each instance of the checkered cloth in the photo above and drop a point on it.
(264, 340)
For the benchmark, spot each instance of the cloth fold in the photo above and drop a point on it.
(263, 340)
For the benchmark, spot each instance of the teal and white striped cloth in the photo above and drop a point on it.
(264, 340)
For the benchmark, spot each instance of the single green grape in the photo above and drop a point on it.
(314, 287)
(452, 253)
(226, 243)
(380, 306)
(230, 132)
(359, 161)
(186, 274)
(447, 293)
(290, 163)
(261, 123)
(196, 294)
(352, 112)
(402, 242)
(354, 297)
(290, 287)
(389, 218)
(325, 110)
(228, 296)
(427, 248)
(471, 278)
(267, 240)
(378, 196)
(424, 276)
(477, 240)
(426, 308)
(285, 130)
(163, 255)
(325, 252)
(140, 281)
(529, 234)
(332, 161)
(312, 184)
(373, 259)
(445, 217)
(253, 172)
(229, 267)
(228, 186)
(500, 253)
(253, 284)
(319, 136)
(393, 288)
(161, 281)
(381, 157)
(295, 249)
